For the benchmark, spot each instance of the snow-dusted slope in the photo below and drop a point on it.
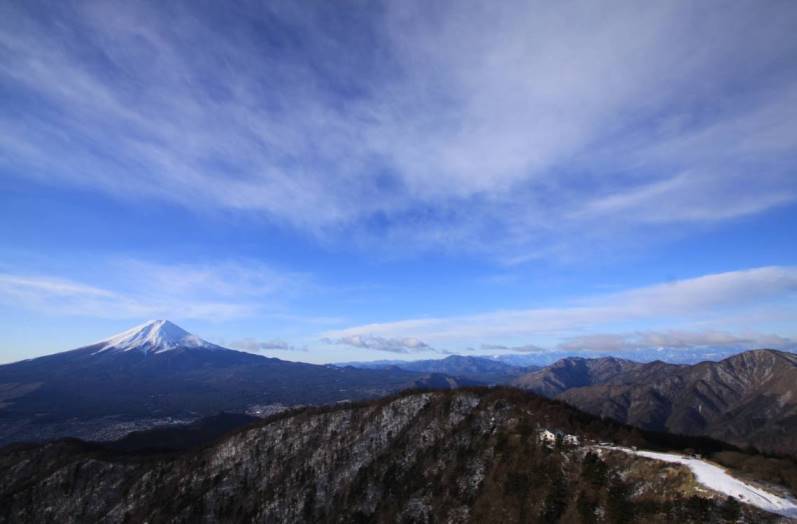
(155, 336)
(717, 479)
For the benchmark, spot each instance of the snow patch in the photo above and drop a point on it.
(717, 479)
(155, 336)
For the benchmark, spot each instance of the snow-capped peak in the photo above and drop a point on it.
(155, 336)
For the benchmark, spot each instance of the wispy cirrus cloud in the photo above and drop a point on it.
(142, 289)
(675, 339)
(703, 300)
(377, 343)
(23, 287)
(221, 278)
(525, 348)
(261, 346)
(411, 124)
(48, 295)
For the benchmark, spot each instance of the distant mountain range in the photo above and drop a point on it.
(746, 399)
(159, 374)
(541, 358)
(512, 364)
(158, 371)
(672, 355)
(481, 369)
(576, 372)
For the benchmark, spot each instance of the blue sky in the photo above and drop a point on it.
(350, 180)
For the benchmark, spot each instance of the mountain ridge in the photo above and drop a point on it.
(473, 455)
(746, 399)
(479, 368)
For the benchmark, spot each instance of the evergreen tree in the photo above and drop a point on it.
(586, 508)
(620, 508)
(594, 469)
(730, 510)
(556, 500)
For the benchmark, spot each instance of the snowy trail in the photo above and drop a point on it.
(717, 479)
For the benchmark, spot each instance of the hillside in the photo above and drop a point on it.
(459, 456)
(574, 372)
(747, 399)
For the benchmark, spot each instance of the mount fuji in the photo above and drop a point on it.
(158, 371)
(155, 336)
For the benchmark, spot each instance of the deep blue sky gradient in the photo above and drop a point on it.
(363, 180)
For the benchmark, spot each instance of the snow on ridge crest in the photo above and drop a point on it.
(718, 479)
(155, 336)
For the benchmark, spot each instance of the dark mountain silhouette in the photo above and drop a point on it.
(746, 399)
(158, 371)
(576, 372)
